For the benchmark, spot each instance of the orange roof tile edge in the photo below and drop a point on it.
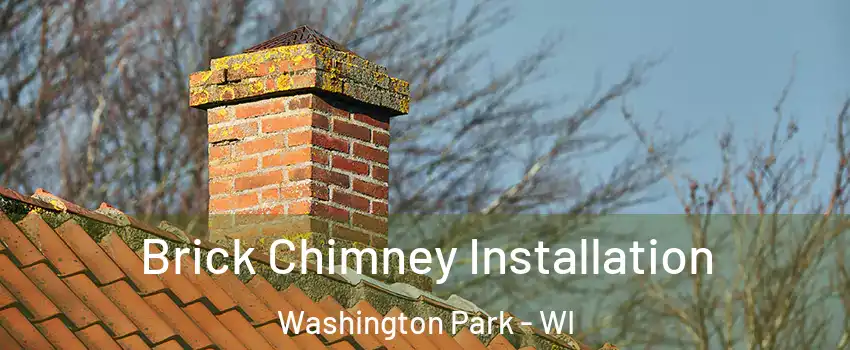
(70, 275)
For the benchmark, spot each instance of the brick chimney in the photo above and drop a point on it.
(298, 131)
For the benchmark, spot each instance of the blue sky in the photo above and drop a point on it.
(726, 60)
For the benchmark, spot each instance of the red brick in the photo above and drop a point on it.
(371, 153)
(241, 201)
(258, 180)
(297, 156)
(329, 212)
(330, 142)
(322, 210)
(218, 115)
(299, 207)
(350, 165)
(350, 200)
(370, 189)
(352, 130)
(300, 102)
(220, 186)
(381, 138)
(230, 169)
(232, 132)
(304, 190)
(379, 241)
(258, 70)
(380, 208)
(346, 233)
(272, 143)
(302, 81)
(220, 152)
(258, 108)
(304, 63)
(371, 121)
(321, 175)
(206, 78)
(295, 121)
(380, 174)
(370, 223)
(298, 138)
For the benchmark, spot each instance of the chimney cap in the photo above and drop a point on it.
(297, 36)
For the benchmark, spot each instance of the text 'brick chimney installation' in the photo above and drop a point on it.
(298, 130)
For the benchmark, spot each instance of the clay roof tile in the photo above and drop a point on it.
(81, 284)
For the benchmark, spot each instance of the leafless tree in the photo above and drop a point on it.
(778, 227)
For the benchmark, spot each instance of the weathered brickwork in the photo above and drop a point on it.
(297, 67)
(298, 144)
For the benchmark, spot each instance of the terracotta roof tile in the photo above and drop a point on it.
(6, 297)
(101, 305)
(265, 292)
(418, 341)
(181, 287)
(332, 307)
(133, 342)
(468, 340)
(341, 346)
(219, 334)
(275, 337)
(95, 259)
(95, 337)
(239, 326)
(5, 192)
(65, 300)
(21, 330)
(169, 345)
(364, 309)
(307, 341)
(7, 340)
(81, 285)
(51, 246)
(296, 297)
(131, 265)
(499, 342)
(142, 315)
(59, 335)
(62, 205)
(33, 300)
(20, 246)
(179, 321)
(217, 296)
(247, 301)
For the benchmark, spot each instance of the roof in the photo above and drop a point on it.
(300, 35)
(73, 278)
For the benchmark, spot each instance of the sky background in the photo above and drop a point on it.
(725, 61)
